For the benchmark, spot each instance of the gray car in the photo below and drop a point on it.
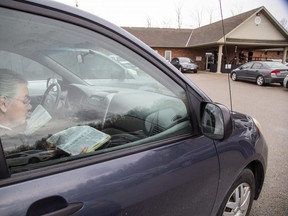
(184, 64)
(260, 72)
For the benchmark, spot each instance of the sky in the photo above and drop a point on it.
(162, 13)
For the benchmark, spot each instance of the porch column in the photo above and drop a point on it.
(284, 54)
(219, 61)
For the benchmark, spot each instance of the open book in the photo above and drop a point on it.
(74, 139)
(38, 118)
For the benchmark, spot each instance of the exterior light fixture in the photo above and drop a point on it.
(257, 19)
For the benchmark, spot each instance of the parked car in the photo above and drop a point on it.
(285, 82)
(27, 157)
(261, 72)
(171, 149)
(184, 64)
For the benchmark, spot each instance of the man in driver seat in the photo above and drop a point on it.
(14, 100)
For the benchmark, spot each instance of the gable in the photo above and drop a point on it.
(213, 33)
(249, 30)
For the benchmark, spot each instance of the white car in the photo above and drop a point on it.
(27, 157)
(285, 82)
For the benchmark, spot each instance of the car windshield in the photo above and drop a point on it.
(183, 59)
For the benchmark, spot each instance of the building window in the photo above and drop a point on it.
(168, 55)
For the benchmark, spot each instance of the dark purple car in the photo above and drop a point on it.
(156, 144)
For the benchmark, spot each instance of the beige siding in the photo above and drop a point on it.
(249, 30)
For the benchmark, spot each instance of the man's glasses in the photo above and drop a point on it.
(26, 101)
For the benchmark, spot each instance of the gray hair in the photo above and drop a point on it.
(9, 81)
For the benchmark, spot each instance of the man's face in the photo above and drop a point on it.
(16, 108)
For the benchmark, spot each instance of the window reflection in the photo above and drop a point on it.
(82, 78)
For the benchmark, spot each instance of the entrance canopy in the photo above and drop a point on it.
(255, 29)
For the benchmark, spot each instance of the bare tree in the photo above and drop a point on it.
(149, 21)
(179, 14)
(210, 12)
(166, 24)
(237, 10)
(198, 16)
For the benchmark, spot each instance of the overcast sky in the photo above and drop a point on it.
(162, 13)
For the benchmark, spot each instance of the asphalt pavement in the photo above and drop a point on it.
(269, 105)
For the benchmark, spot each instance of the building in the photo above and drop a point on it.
(253, 35)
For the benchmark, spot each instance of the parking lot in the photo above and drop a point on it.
(269, 105)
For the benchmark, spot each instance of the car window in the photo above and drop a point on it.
(276, 65)
(89, 94)
(35, 73)
(257, 65)
(246, 66)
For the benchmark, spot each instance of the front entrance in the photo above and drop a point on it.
(209, 60)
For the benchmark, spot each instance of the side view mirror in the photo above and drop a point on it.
(216, 121)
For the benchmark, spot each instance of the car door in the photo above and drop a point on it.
(255, 71)
(245, 71)
(157, 161)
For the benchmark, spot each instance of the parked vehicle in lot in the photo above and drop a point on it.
(27, 157)
(172, 150)
(261, 72)
(184, 64)
(285, 82)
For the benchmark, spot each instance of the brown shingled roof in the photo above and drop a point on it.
(205, 35)
(161, 37)
(214, 32)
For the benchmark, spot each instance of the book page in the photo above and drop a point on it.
(73, 140)
(39, 117)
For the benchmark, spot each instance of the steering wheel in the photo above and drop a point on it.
(51, 97)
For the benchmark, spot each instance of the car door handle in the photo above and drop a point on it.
(53, 206)
(69, 210)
